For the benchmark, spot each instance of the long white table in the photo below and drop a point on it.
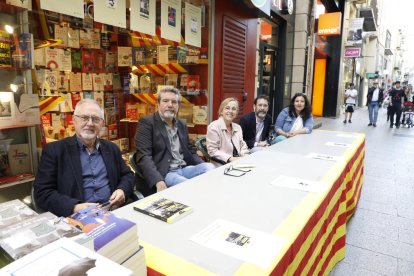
(313, 225)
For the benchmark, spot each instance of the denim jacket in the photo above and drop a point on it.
(285, 122)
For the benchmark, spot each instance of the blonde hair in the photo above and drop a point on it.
(226, 102)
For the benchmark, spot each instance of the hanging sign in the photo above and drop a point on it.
(143, 16)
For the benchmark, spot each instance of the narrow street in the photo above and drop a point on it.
(380, 236)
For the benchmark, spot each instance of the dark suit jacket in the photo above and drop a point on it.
(371, 93)
(248, 125)
(154, 151)
(58, 186)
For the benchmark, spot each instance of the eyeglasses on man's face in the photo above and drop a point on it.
(86, 118)
(235, 172)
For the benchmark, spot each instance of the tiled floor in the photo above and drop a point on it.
(380, 236)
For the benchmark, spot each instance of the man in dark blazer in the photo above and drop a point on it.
(165, 156)
(82, 170)
(256, 125)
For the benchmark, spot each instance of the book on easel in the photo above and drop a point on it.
(163, 209)
(64, 257)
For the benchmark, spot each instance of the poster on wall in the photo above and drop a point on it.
(26, 4)
(72, 8)
(355, 30)
(143, 16)
(192, 25)
(171, 20)
(111, 12)
(18, 109)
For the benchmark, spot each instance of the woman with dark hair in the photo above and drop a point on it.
(294, 119)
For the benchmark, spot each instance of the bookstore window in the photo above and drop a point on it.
(106, 53)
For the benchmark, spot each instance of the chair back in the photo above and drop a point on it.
(200, 144)
(136, 195)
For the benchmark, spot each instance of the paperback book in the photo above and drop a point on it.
(163, 209)
(14, 211)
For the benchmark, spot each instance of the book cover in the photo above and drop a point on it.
(112, 131)
(95, 39)
(124, 145)
(76, 59)
(53, 58)
(87, 95)
(5, 45)
(14, 211)
(66, 105)
(76, 97)
(116, 81)
(98, 82)
(172, 54)
(108, 83)
(51, 78)
(110, 61)
(88, 61)
(162, 209)
(109, 100)
(87, 82)
(162, 54)
(110, 115)
(99, 98)
(19, 159)
(171, 79)
(21, 238)
(192, 55)
(182, 54)
(200, 115)
(85, 38)
(75, 83)
(105, 41)
(193, 83)
(138, 55)
(65, 257)
(61, 33)
(131, 111)
(124, 56)
(103, 226)
(22, 52)
(63, 81)
(40, 57)
(73, 38)
(99, 61)
(125, 84)
(183, 80)
(66, 60)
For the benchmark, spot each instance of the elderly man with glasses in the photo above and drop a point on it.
(82, 170)
(375, 98)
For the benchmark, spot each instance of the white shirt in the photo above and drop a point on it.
(350, 93)
(375, 95)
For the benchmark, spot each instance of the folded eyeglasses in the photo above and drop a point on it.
(231, 171)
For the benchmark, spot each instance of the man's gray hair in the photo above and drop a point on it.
(169, 90)
(89, 101)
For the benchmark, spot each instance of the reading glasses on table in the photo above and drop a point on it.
(231, 171)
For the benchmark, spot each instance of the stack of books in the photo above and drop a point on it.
(114, 237)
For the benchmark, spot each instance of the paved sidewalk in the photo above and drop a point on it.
(380, 236)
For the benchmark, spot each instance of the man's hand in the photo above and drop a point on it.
(117, 198)
(160, 186)
(81, 206)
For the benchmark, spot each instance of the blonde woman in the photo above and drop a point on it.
(225, 138)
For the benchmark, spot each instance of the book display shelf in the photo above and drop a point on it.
(19, 107)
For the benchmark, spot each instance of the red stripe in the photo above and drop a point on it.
(294, 249)
(173, 68)
(153, 272)
(335, 248)
(357, 185)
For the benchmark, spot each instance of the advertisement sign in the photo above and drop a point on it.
(352, 52)
(355, 30)
(192, 25)
(111, 12)
(330, 24)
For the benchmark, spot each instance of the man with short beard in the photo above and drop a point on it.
(256, 125)
(165, 156)
(82, 170)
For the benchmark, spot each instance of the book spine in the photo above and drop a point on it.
(150, 214)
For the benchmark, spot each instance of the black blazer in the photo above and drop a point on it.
(58, 186)
(154, 151)
(248, 125)
(371, 93)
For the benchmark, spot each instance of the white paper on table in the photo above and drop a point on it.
(338, 144)
(299, 184)
(323, 156)
(345, 135)
(240, 242)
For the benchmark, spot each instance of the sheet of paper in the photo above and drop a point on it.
(338, 144)
(345, 135)
(240, 242)
(323, 156)
(299, 184)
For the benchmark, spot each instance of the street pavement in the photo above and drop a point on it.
(380, 235)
